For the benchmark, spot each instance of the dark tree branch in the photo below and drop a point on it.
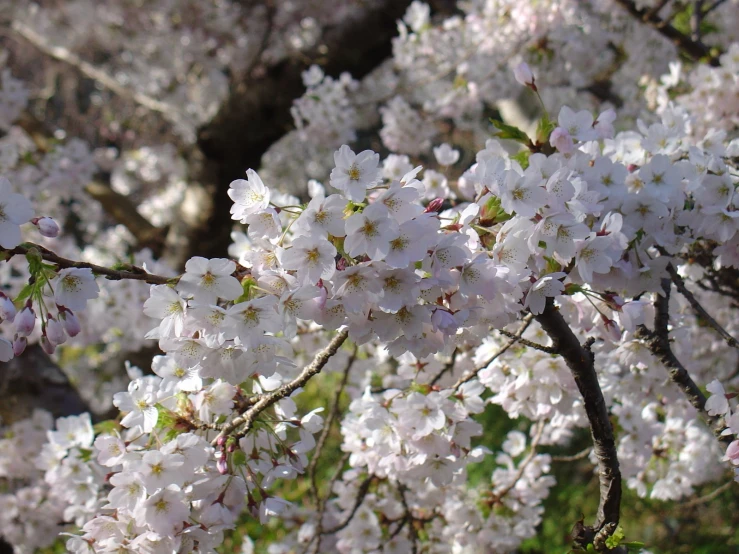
(580, 360)
(131, 272)
(693, 48)
(658, 342)
(246, 420)
(698, 308)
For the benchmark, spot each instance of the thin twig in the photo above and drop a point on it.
(473, 373)
(698, 308)
(131, 273)
(713, 6)
(708, 497)
(361, 493)
(63, 55)
(529, 343)
(525, 462)
(332, 414)
(247, 418)
(575, 457)
(447, 367)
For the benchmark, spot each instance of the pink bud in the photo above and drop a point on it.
(222, 465)
(562, 141)
(732, 452)
(341, 264)
(55, 331)
(48, 227)
(435, 205)
(71, 323)
(46, 344)
(7, 308)
(221, 440)
(25, 321)
(522, 73)
(19, 345)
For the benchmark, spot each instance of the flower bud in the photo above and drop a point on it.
(7, 308)
(47, 345)
(25, 321)
(222, 465)
(55, 331)
(71, 323)
(47, 227)
(522, 73)
(435, 205)
(19, 345)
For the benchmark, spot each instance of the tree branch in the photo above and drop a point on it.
(88, 70)
(247, 418)
(131, 272)
(693, 48)
(658, 342)
(580, 361)
(698, 308)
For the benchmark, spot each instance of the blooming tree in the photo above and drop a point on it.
(576, 269)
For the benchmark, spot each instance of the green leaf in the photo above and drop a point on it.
(509, 132)
(522, 158)
(544, 129)
(614, 540)
(247, 285)
(107, 427)
(238, 458)
(634, 546)
(25, 293)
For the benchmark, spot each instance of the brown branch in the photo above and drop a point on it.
(524, 463)
(658, 342)
(332, 415)
(693, 48)
(580, 360)
(124, 212)
(61, 54)
(529, 343)
(575, 457)
(314, 368)
(472, 374)
(708, 497)
(698, 308)
(130, 273)
(361, 493)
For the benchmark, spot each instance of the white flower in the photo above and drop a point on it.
(446, 155)
(164, 512)
(15, 210)
(355, 173)
(323, 215)
(370, 232)
(717, 404)
(208, 280)
(165, 304)
(250, 196)
(578, 125)
(546, 287)
(73, 287)
(312, 257)
(215, 400)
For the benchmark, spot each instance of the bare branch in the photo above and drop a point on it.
(63, 55)
(247, 418)
(131, 272)
(525, 462)
(575, 457)
(580, 360)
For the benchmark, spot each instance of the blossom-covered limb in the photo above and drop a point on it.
(581, 363)
(132, 273)
(247, 418)
(527, 342)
